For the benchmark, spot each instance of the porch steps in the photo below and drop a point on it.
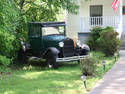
(123, 41)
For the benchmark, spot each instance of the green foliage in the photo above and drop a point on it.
(41, 11)
(104, 39)
(98, 55)
(4, 60)
(95, 32)
(93, 39)
(9, 17)
(32, 10)
(8, 44)
(88, 65)
(40, 80)
(8, 47)
(108, 41)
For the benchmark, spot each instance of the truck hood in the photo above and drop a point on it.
(54, 37)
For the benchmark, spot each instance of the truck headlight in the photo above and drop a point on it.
(61, 44)
(79, 43)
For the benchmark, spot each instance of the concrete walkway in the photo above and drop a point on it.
(113, 81)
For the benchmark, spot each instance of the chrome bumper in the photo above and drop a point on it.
(73, 58)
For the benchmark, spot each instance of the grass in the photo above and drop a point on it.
(40, 80)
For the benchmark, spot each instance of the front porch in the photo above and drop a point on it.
(95, 13)
(86, 23)
(99, 13)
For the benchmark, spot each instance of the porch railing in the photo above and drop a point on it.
(86, 23)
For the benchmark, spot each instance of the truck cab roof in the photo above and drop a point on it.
(48, 24)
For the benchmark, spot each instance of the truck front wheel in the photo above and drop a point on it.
(52, 62)
(51, 55)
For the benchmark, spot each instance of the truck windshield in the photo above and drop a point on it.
(52, 30)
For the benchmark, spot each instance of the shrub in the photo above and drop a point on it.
(7, 46)
(108, 41)
(9, 20)
(4, 60)
(93, 39)
(97, 54)
(88, 65)
(104, 40)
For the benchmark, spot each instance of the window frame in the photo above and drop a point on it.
(123, 12)
(95, 6)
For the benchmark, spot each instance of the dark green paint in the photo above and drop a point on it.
(41, 43)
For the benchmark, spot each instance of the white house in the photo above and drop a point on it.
(95, 13)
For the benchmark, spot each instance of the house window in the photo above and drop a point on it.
(123, 9)
(96, 13)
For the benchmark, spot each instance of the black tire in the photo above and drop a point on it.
(22, 56)
(52, 61)
(51, 56)
(78, 61)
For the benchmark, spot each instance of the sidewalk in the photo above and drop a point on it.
(113, 81)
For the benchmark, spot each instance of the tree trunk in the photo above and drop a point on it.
(21, 4)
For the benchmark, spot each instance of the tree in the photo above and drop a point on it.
(41, 10)
(9, 17)
(45, 10)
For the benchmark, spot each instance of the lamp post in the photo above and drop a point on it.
(104, 64)
(84, 80)
(115, 55)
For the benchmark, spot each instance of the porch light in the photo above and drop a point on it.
(84, 80)
(104, 64)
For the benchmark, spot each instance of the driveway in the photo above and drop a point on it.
(113, 81)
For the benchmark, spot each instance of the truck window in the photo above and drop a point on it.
(49, 31)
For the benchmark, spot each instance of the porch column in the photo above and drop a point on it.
(120, 29)
(72, 24)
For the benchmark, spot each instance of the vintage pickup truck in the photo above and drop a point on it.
(48, 40)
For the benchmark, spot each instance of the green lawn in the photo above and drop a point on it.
(38, 80)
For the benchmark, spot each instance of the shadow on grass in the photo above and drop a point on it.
(36, 79)
(40, 65)
(49, 81)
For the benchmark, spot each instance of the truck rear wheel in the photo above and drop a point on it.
(22, 56)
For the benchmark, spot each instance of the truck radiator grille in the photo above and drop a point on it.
(68, 49)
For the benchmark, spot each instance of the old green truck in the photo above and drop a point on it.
(48, 41)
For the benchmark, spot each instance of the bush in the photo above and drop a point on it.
(4, 60)
(98, 55)
(8, 44)
(9, 20)
(8, 47)
(88, 65)
(93, 39)
(108, 41)
(104, 40)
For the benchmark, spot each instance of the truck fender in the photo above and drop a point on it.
(52, 51)
(51, 55)
(85, 49)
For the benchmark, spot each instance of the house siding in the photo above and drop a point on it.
(83, 37)
(107, 10)
(72, 24)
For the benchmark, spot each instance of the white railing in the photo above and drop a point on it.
(86, 23)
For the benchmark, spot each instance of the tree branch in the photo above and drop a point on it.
(21, 4)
